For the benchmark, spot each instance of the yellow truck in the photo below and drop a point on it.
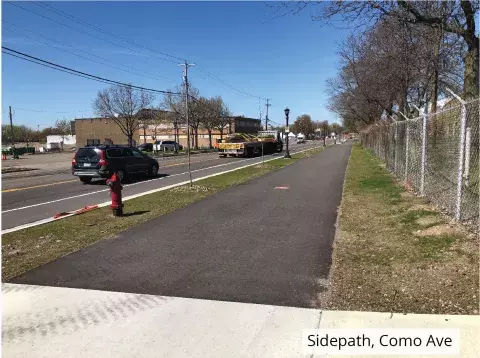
(250, 145)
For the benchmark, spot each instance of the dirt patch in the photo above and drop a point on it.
(439, 230)
(189, 189)
(428, 221)
(426, 207)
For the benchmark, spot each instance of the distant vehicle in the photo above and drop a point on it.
(146, 147)
(166, 145)
(250, 145)
(300, 139)
(103, 160)
(53, 147)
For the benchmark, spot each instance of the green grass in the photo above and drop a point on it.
(32, 247)
(432, 247)
(393, 252)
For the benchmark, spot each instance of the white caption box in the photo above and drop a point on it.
(373, 341)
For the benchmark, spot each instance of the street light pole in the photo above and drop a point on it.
(287, 112)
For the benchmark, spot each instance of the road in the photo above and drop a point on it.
(33, 198)
(251, 243)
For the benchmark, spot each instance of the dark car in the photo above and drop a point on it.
(146, 147)
(103, 160)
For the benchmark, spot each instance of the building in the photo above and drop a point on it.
(91, 131)
(100, 130)
(169, 130)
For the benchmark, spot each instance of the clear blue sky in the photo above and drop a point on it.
(286, 59)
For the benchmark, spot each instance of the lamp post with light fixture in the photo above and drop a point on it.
(287, 112)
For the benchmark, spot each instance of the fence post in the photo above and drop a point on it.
(407, 142)
(395, 147)
(424, 155)
(468, 136)
(463, 124)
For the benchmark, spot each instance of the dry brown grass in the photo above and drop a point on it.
(394, 253)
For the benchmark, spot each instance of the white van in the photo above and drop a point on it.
(300, 139)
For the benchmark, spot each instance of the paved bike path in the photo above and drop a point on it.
(251, 243)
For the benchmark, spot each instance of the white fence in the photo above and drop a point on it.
(437, 155)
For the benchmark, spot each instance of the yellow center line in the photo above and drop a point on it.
(37, 186)
(74, 180)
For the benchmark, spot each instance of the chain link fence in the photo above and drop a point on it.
(436, 155)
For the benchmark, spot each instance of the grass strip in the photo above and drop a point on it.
(395, 253)
(26, 249)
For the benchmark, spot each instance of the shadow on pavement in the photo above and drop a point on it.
(140, 212)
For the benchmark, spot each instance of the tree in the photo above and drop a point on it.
(224, 121)
(27, 133)
(303, 124)
(194, 113)
(122, 104)
(63, 128)
(176, 104)
(454, 18)
(410, 69)
(336, 128)
(215, 115)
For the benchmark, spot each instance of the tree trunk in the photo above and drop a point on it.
(210, 139)
(144, 134)
(221, 134)
(130, 139)
(471, 78)
(196, 138)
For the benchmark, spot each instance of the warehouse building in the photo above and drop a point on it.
(94, 131)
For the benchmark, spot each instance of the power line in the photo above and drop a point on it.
(103, 31)
(63, 13)
(86, 33)
(226, 87)
(89, 59)
(226, 84)
(76, 72)
(40, 111)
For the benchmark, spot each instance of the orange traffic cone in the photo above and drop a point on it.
(4, 156)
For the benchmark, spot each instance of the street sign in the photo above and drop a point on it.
(287, 129)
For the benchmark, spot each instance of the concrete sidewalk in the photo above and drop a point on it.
(63, 322)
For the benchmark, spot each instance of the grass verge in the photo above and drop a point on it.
(395, 253)
(32, 247)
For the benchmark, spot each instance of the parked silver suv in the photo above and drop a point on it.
(165, 145)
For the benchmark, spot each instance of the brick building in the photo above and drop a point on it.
(168, 131)
(101, 130)
(98, 131)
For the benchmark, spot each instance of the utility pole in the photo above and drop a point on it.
(185, 80)
(266, 117)
(14, 152)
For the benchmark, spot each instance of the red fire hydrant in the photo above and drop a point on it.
(116, 193)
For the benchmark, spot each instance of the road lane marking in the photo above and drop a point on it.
(74, 180)
(37, 186)
(106, 203)
(274, 156)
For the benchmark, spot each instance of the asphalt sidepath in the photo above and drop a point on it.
(251, 243)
